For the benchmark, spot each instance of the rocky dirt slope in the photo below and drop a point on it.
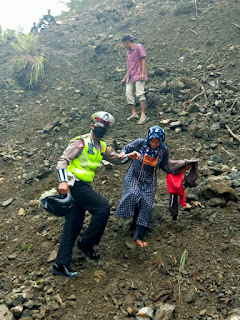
(191, 50)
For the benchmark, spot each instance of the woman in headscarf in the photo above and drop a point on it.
(141, 180)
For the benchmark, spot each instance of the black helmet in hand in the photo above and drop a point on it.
(58, 205)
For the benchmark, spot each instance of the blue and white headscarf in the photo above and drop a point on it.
(155, 132)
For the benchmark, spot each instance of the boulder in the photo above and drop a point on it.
(220, 189)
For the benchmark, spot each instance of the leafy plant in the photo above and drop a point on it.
(28, 65)
(4, 35)
(37, 283)
(29, 247)
(181, 268)
(182, 261)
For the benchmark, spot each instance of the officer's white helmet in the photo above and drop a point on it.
(103, 118)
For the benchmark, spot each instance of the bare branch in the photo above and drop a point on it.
(193, 31)
(232, 155)
(232, 134)
(196, 8)
(237, 25)
(231, 106)
(198, 95)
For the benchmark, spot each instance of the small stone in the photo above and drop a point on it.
(203, 312)
(72, 297)
(17, 311)
(130, 310)
(13, 256)
(34, 203)
(145, 312)
(21, 212)
(175, 124)
(130, 245)
(6, 202)
(211, 67)
(166, 121)
(164, 312)
(52, 256)
(5, 314)
(190, 296)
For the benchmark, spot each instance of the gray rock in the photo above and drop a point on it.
(217, 202)
(193, 108)
(219, 189)
(234, 175)
(175, 124)
(193, 129)
(49, 127)
(234, 314)
(17, 311)
(6, 202)
(216, 158)
(164, 312)
(144, 313)
(130, 245)
(235, 183)
(190, 296)
(52, 256)
(5, 314)
(215, 126)
(14, 299)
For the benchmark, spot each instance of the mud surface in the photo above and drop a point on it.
(186, 54)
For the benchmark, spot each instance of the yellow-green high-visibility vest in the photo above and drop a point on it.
(89, 160)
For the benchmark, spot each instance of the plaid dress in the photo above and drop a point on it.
(145, 191)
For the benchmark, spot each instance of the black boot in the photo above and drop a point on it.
(88, 250)
(63, 270)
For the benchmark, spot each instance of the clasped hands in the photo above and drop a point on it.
(132, 155)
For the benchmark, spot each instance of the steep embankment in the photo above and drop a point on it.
(186, 54)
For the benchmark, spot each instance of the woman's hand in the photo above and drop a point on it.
(134, 155)
(63, 188)
(121, 155)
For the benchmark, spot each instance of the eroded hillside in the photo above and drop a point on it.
(193, 93)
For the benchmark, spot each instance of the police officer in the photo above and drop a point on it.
(76, 170)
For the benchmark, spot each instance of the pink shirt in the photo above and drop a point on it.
(134, 63)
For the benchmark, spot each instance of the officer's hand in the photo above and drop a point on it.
(134, 155)
(63, 188)
(121, 155)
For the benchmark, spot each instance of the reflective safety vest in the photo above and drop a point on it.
(89, 160)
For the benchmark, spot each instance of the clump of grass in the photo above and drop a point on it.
(29, 247)
(182, 261)
(181, 268)
(28, 65)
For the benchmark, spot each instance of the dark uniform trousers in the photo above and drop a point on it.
(85, 199)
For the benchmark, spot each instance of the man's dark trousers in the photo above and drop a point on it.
(85, 199)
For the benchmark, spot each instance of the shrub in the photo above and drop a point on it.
(75, 6)
(28, 65)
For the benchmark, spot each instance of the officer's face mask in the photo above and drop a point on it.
(99, 131)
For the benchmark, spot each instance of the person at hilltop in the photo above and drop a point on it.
(135, 77)
(76, 170)
(48, 17)
(34, 28)
(141, 180)
(42, 25)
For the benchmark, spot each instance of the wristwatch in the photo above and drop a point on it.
(125, 159)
